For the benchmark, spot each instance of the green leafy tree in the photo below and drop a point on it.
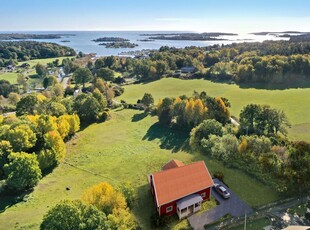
(41, 70)
(82, 76)
(165, 111)
(13, 98)
(203, 130)
(100, 98)
(147, 100)
(55, 109)
(5, 150)
(74, 215)
(58, 90)
(49, 81)
(223, 148)
(297, 171)
(27, 105)
(87, 107)
(106, 74)
(22, 171)
(22, 80)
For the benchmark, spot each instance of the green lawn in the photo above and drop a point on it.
(43, 61)
(9, 76)
(125, 149)
(295, 102)
(12, 76)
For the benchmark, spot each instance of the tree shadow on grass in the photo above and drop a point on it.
(171, 138)
(7, 200)
(138, 117)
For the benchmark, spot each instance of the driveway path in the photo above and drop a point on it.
(233, 206)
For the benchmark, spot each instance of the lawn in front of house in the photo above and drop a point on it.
(124, 149)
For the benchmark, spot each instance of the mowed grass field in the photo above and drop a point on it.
(124, 149)
(12, 76)
(295, 102)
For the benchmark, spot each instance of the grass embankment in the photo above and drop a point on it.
(295, 102)
(124, 149)
(12, 76)
(254, 224)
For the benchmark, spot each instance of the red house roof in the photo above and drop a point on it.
(173, 164)
(176, 183)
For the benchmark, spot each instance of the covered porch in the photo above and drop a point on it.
(189, 205)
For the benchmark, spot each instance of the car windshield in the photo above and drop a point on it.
(222, 189)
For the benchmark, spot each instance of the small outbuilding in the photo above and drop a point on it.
(180, 188)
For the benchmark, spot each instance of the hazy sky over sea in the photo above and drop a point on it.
(181, 15)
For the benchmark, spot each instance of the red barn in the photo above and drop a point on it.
(181, 188)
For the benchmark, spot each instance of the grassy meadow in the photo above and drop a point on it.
(12, 76)
(124, 149)
(295, 102)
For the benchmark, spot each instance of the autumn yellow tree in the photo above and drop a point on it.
(63, 126)
(104, 197)
(53, 151)
(189, 111)
(21, 137)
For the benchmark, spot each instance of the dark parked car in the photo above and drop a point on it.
(222, 191)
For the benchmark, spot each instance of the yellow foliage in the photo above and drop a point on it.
(221, 103)
(74, 123)
(63, 126)
(33, 119)
(243, 146)
(176, 101)
(189, 106)
(122, 219)
(41, 97)
(54, 141)
(104, 197)
(160, 102)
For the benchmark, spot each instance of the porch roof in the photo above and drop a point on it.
(189, 200)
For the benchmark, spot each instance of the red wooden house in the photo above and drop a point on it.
(180, 188)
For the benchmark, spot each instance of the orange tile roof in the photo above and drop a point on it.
(179, 182)
(173, 164)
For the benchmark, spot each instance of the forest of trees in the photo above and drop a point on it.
(266, 62)
(12, 52)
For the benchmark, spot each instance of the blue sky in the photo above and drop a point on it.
(194, 15)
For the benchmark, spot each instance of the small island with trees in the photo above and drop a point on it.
(189, 36)
(117, 45)
(115, 42)
(110, 39)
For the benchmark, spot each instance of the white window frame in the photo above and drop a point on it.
(203, 195)
(169, 209)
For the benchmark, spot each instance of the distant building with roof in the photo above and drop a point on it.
(180, 188)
